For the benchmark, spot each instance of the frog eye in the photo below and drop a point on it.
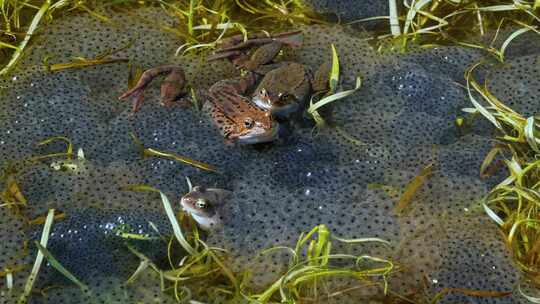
(201, 204)
(283, 96)
(248, 123)
(263, 93)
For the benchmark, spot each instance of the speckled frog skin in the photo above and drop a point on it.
(237, 119)
(283, 90)
(234, 116)
(285, 86)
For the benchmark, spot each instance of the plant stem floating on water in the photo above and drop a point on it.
(146, 152)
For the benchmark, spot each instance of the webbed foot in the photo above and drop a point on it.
(172, 87)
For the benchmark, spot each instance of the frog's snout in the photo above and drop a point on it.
(263, 136)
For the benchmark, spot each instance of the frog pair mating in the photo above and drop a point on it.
(281, 89)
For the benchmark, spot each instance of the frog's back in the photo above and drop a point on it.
(289, 78)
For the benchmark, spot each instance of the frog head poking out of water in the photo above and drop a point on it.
(203, 205)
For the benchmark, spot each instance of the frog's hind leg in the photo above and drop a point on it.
(171, 89)
(267, 68)
(292, 38)
(236, 50)
(263, 55)
(321, 78)
(241, 60)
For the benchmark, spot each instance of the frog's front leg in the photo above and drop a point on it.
(172, 87)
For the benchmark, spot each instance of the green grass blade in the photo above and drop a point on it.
(394, 18)
(412, 188)
(39, 258)
(529, 134)
(493, 215)
(515, 34)
(54, 263)
(176, 227)
(334, 73)
(362, 240)
(413, 10)
(190, 16)
(31, 29)
(340, 95)
(531, 299)
(488, 160)
(477, 105)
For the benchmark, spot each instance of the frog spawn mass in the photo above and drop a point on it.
(399, 122)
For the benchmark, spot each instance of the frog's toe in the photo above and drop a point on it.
(133, 92)
(137, 103)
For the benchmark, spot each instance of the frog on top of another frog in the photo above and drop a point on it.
(246, 109)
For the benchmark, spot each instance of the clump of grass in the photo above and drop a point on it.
(431, 22)
(514, 204)
(311, 265)
(20, 21)
(332, 94)
(199, 269)
(202, 270)
(290, 12)
(201, 23)
(209, 21)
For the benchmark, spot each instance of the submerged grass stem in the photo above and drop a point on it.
(39, 258)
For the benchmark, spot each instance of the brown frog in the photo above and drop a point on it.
(286, 86)
(283, 89)
(203, 205)
(237, 119)
(235, 116)
(268, 47)
(286, 89)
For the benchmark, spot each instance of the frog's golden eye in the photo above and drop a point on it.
(249, 123)
(201, 204)
(263, 93)
(283, 96)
